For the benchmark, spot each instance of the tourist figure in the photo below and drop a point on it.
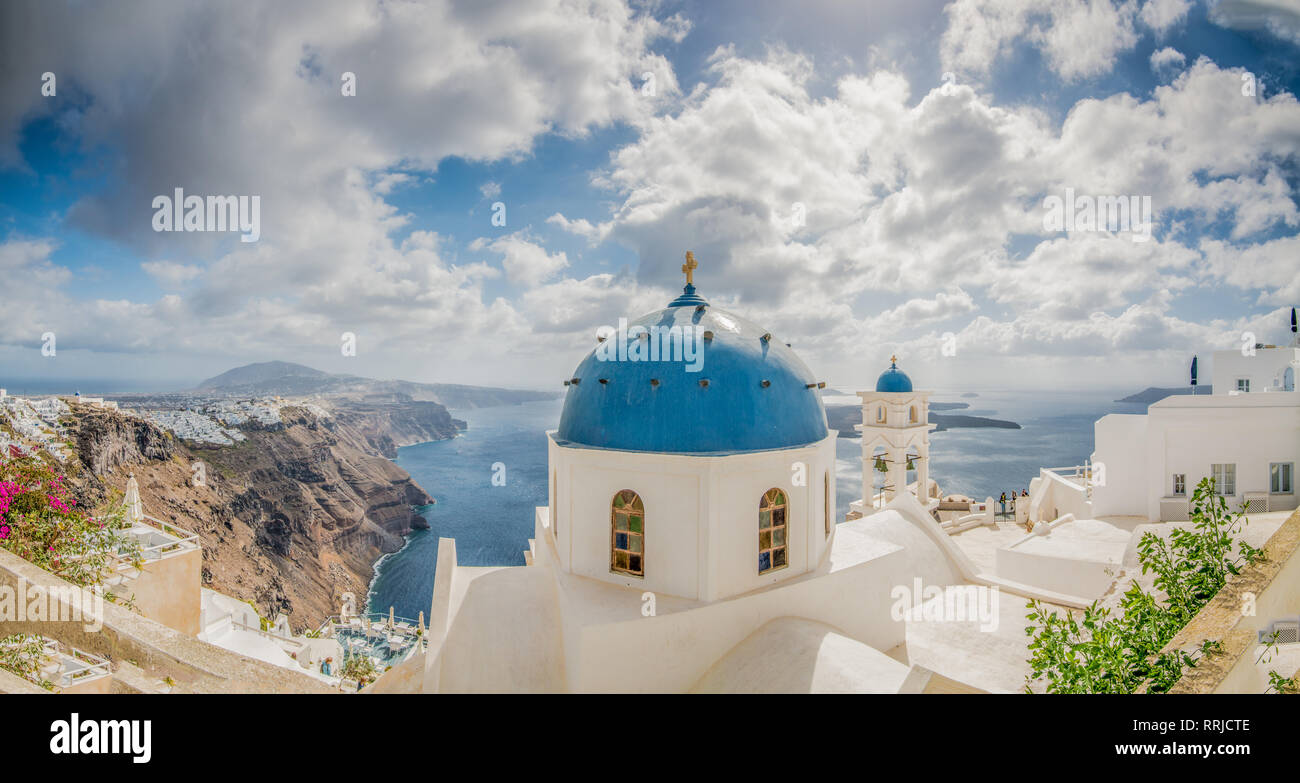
(1003, 503)
(325, 666)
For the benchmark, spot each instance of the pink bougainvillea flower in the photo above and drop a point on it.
(4, 532)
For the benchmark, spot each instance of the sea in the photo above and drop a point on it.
(493, 520)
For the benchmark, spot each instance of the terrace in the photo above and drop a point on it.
(386, 639)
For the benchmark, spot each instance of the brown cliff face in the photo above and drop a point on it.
(292, 517)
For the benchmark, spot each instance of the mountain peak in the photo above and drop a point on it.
(259, 374)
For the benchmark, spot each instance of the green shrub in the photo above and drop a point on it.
(1116, 653)
(24, 655)
(359, 667)
(41, 522)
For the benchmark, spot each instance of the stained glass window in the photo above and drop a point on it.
(772, 531)
(627, 534)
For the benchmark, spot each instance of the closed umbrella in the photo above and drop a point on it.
(134, 508)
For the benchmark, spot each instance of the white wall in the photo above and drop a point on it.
(1187, 435)
(1052, 496)
(1121, 446)
(1263, 369)
(701, 514)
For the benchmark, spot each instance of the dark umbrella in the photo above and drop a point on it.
(1193, 375)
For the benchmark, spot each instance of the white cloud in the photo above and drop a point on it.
(1168, 58)
(1161, 15)
(581, 227)
(171, 274)
(1078, 38)
(1269, 267)
(524, 261)
(850, 218)
(1279, 17)
(256, 109)
(924, 201)
(388, 181)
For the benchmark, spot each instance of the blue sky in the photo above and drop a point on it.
(923, 201)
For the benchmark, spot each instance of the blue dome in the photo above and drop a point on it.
(748, 393)
(893, 379)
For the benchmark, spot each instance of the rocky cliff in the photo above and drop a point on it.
(290, 518)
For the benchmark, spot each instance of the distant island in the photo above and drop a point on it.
(844, 417)
(970, 394)
(289, 379)
(970, 422)
(1155, 394)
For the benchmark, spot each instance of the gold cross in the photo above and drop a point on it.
(893, 360)
(689, 267)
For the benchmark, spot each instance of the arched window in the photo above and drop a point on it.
(627, 534)
(771, 531)
(880, 414)
(912, 415)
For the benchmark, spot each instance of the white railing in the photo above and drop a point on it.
(66, 665)
(176, 539)
(181, 537)
(1074, 472)
(292, 641)
(77, 665)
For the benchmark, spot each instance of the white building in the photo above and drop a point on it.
(1246, 436)
(690, 543)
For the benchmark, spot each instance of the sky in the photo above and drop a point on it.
(467, 191)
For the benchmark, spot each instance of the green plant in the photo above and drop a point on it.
(1279, 684)
(41, 522)
(1276, 682)
(1116, 653)
(360, 668)
(24, 655)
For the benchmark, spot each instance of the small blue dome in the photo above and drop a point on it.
(747, 394)
(893, 379)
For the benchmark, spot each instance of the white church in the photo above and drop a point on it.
(690, 539)
(690, 543)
